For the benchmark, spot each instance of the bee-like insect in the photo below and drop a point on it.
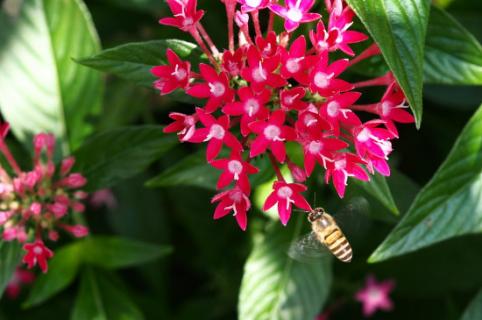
(328, 233)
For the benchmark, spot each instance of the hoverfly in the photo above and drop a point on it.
(325, 235)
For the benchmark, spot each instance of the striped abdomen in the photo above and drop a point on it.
(337, 243)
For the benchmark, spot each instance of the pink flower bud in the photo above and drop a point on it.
(298, 174)
(78, 231)
(74, 180)
(58, 209)
(53, 235)
(81, 195)
(30, 179)
(78, 207)
(35, 208)
(62, 199)
(67, 165)
(9, 234)
(241, 19)
(44, 140)
(4, 216)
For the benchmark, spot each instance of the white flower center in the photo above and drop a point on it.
(37, 250)
(272, 132)
(236, 196)
(259, 74)
(322, 80)
(340, 164)
(315, 146)
(217, 89)
(253, 3)
(251, 106)
(374, 295)
(386, 108)
(179, 73)
(288, 100)
(332, 109)
(187, 22)
(294, 14)
(309, 120)
(363, 135)
(293, 65)
(285, 192)
(235, 167)
(217, 131)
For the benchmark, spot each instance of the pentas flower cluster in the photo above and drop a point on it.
(275, 88)
(36, 205)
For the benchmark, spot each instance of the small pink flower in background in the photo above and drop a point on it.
(375, 296)
(19, 279)
(103, 197)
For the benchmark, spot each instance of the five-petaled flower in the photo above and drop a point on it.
(235, 200)
(295, 12)
(173, 76)
(37, 253)
(375, 296)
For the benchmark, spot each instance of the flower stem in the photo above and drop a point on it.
(208, 40)
(257, 27)
(372, 50)
(11, 160)
(202, 45)
(275, 167)
(271, 21)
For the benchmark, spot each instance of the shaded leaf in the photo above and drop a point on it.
(449, 205)
(115, 252)
(378, 188)
(275, 286)
(10, 256)
(452, 54)
(474, 310)
(108, 157)
(62, 271)
(399, 28)
(101, 297)
(41, 88)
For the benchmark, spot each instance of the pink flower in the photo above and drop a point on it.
(252, 5)
(336, 111)
(391, 108)
(67, 165)
(234, 200)
(295, 61)
(323, 77)
(292, 99)
(271, 134)
(186, 15)
(295, 12)
(216, 88)
(234, 168)
(19, 279)
(173, 76)
(322, 150)
(344, 165)
(217, 132)
(233, 62)
(286, 195)
(44, 141)
(74, 180)
(103, 197)
(260, 72)
(250, 108)
(184, 125)
(375, 296)
(268, 46)
(37, 253)
(58, 209)
(78, 231)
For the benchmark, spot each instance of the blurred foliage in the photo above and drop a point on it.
(214, 270)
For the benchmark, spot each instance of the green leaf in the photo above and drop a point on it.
(41, 88)
(449, 205)
(378, 188)
(453, 55)
(399, 28)
(10, 256)
(62, 271)
(114, 252)
(474, 310)
(111, 156)
(274, 286)
(133, 61)
(102, 297)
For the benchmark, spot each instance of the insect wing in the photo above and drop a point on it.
(307, 249)
(353, 217)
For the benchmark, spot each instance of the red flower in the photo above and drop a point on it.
(323, 77)
(267, 47)
(391, 108)
(345, 165)
(217, 132)
(236, 169)
(252, 5)
(37, 253)
(260, 73)
(295, 12)
(173, 76)
(321, 150)
(20, 277)
(186, 16)
(217, 88)
(250, 108)
(234, 200)
(233, 62)
(271, 134)
(295, 61)
(184, 125)
(336, 110)
(292, 99)
(285, 195)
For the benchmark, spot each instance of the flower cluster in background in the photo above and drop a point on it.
(275, 88)
(37, 204)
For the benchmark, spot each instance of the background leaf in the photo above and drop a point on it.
(452, 54)
(41, 88)
(399, 28)
(274, 286)
(115, 252)
(378, 188)
(111, 156)
(10, 256)
(449, 205)
(62, 271)
(101, 297)
(474, 310)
